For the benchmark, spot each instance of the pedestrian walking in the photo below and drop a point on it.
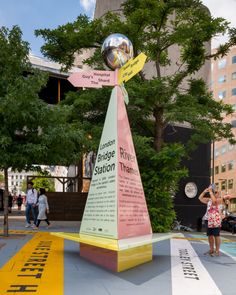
(31, 201)
(19, 201)
(43, 208)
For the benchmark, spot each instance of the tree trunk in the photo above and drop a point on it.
(5, 198)
(159, 129)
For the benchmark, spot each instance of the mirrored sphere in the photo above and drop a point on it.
(117, 49)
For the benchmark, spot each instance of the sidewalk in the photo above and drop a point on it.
(39, 263)
(18, 223)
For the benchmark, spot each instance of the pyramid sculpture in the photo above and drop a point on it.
(116, 206)
(116, 231)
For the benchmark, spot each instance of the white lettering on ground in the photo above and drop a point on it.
(189, 276)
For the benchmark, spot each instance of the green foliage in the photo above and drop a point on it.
(1, 177)
(170, 94)
(160, 173)
(31, 132)
(44, 182)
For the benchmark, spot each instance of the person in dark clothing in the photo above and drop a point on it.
(19, 201)
(10, 202)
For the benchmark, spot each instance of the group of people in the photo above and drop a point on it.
(18, 200)
(37, 204)
(213, 217)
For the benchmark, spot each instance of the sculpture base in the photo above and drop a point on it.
(116, 255)
(117, 261)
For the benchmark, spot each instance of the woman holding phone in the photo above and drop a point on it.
(212, 199)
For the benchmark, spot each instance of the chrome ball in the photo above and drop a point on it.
(117, 49)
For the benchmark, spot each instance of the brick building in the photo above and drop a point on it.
(224, 154)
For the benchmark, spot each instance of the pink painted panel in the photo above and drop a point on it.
(103, 257)
(133, 217)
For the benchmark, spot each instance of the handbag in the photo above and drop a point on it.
(214, 217)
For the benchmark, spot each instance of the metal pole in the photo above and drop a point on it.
(213, 161)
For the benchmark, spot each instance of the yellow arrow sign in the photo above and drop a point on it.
(131, 68)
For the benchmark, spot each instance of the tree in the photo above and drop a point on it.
(31, 132)
(45, 182)
(1, 177)
(155, 28)
(42, 181)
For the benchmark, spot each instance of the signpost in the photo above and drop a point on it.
(131, 68)
(97, 79)
(93, 79)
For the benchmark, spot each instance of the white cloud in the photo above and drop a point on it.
(88, 5)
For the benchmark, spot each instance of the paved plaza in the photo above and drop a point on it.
(36, 262)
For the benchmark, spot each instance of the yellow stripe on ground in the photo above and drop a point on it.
(201, 239)
(190, 239)
(19, 231)
(36, 269)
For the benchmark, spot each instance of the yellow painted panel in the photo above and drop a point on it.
(38, 268)
(105, 243)
(131, 68)
(133, 257)
(113, 244)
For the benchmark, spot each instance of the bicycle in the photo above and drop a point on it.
(179, 227)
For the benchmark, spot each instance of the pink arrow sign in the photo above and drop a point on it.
(94, 79)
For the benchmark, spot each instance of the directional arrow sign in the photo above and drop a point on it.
(93, 79)
(131, 68)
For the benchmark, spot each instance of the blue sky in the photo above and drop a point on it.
(39, 14)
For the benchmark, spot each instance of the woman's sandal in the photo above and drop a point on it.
(209, 253)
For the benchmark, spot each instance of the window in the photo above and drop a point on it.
(16, 176)
(233, 75)
(230, 183)
(12, 177)
(231, 165)
(222, 79)
(21, 175)
(223, 167)
(217, 170)
(223, 185)
(223, 149)
(234, 59)
(233, 123)
(217, 153)
(221, 94)
(221, 63)
(233, 91)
